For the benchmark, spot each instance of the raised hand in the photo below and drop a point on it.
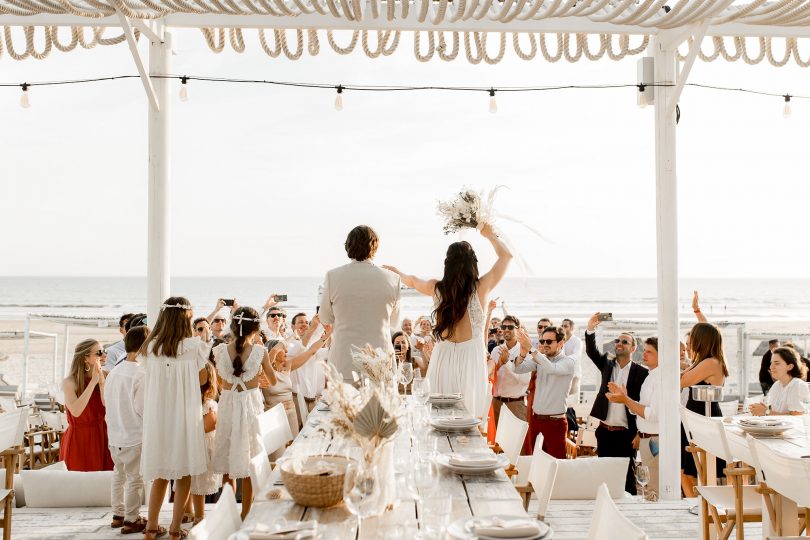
(695, 302)
(96, 378)
(220, 304)
(593, 322)
(271, 302)
(524, 340)
(393, 269)
(493, 304)
(487, 231)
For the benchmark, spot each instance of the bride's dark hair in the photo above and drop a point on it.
(458, 284)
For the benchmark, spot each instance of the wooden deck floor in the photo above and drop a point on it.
(569, 519)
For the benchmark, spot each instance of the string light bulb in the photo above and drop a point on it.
(24, 103)
(493, 105)
(184, 88)
(787, 110)
(339, 98)
(641, 99)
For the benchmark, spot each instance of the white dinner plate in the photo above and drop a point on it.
(461, 530)
(444, 461)
(445, 400)
(769, 430)
(441, 424)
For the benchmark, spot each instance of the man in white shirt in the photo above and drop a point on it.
(510, 388)
(116, 352)
(309, 378)
(123, 397)
(646, 410)
(554, 373)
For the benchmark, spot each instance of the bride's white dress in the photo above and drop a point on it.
(462, 367)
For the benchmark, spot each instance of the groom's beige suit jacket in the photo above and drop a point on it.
(361, 300)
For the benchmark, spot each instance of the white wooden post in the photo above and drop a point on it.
(158, 263)
(666, 196)
(66, 353)
(26, 350)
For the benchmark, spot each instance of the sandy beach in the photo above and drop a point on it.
(41, 375)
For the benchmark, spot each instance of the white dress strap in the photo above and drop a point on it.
(250, 366)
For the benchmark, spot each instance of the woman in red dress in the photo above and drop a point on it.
(84, 444)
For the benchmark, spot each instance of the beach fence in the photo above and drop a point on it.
(743, 350)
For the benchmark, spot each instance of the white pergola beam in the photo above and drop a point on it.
(315, 21)
(683, 75)
(146, 30)
(136, 56)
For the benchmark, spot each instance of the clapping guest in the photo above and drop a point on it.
(173, 431)
(554, 373)
(510, 386)
(281, 391)
(542, 324)
(123, 395)
(84, 445)
(239, 363)
(789, 392)
(421, 335)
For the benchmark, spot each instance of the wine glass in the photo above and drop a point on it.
(421, 390)
(405, 374)
(643, 477)
(361, 492)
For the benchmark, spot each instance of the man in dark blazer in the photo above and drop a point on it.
(617, 427)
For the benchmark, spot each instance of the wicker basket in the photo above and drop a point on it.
(319, 491)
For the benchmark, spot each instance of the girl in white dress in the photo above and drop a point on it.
(208, 482)
(173, 440)
(458, 362)
(239, 363)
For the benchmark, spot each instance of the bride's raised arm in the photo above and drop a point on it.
(490, 280)
(424, 286)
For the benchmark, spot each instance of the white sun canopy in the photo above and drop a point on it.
(755, 32)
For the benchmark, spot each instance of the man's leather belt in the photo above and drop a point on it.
(508, 399)
(560, 416)
(612, 428)
(646, 435)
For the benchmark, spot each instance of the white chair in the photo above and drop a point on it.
(781, 475)
(222, 521)
(608, 523)
(12, 431)
(274, 428)
(575, 479)
(724, 506)
(260, 476)
(510, 435)
(302, 408)
(524, 467)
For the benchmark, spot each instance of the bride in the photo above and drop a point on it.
(458, 362)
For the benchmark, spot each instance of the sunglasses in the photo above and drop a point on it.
(546, 341)
(200, 329)
(622, 341)
(508, 327)
(101, 352)
(274, 315)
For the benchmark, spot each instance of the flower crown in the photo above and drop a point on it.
(240, 317)
(178, 306)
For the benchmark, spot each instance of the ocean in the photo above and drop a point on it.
(748, 300)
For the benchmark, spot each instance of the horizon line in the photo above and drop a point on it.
(653, 278)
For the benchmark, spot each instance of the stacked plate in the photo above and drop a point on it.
(473, 462)
(445, 400)
(764, 426)
(454, 423)
(499, 528)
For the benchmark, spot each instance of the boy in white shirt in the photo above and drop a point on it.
(123, 396)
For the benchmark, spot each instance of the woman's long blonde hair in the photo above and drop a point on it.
(77, 368)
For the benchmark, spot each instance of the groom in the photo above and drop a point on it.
(360, 299)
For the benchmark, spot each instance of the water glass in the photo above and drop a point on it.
(435, 513)
(361, 492)
(420, 390)
(405, 374)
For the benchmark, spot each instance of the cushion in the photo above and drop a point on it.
(19, 493)
(53, 488)
(581, 478)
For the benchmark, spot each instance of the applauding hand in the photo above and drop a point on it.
(616, 393)
(524, 340)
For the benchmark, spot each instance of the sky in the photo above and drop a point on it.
(267, 181)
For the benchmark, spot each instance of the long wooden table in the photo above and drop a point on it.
(795, 444)
(472, 495)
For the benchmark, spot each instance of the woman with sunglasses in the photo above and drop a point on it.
(84, 444)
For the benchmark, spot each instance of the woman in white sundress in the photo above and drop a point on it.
(458, 362)
(240, 403)
(173, 440)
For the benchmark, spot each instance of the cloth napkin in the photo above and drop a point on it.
(757, 421)
(454, 421)
(446, 396)
(513, 528)
(306, 466)
(473, 460)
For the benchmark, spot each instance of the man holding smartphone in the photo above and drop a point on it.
(617, 428)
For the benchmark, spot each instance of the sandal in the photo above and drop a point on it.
(135, 526)
(117, 522)
(182, 533)
(154, 533)
(188, 517)
(197, 520)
